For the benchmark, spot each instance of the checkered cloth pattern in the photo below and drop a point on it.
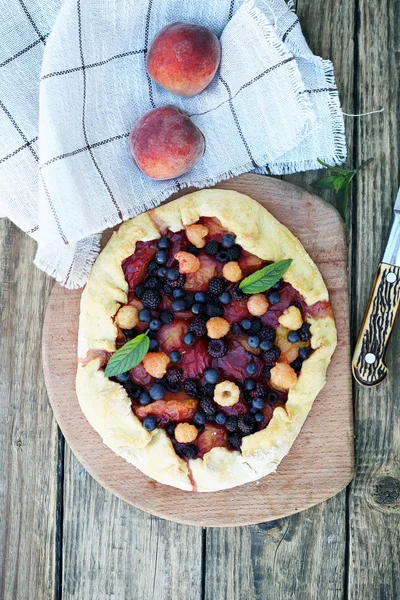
(74, 81)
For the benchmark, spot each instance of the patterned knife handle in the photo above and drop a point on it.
(368, 366)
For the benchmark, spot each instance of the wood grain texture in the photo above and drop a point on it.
(320, 463)
(374, 511)
(28, 432)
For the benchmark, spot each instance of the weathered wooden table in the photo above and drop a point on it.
(63, 536)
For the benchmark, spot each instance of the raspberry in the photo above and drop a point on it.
(152, 283)
(174, 375)
(259, 390)
(217, 285)
(212, 247)
(139, 289)
(266, 372)
(190, 387)
(193, 250)
(235, 440)
(151, 299)
(234, 252)
(271, 356)
(152, 267)
(231, 423)
(217, 348)
(246, 424)
(237, 292)
(208, 407)
(297, 364)
(166, 317)
(188, 451)
(256, 326)
(198, 325)
(178, 283)
(268, 334)
(304, 332)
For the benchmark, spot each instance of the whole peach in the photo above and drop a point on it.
(183, 58)
(165, 143)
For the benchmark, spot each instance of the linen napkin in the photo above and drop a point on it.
(74, 81)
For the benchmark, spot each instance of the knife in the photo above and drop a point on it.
(368, 366)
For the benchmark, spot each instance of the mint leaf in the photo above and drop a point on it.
(264, 278)
(127, 357)
(325, 182)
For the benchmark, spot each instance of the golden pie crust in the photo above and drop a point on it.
(107, 406)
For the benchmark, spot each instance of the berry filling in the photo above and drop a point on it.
(220, 349)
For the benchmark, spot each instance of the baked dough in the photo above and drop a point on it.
(107, 406)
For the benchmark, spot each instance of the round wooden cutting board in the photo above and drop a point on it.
(320, 463)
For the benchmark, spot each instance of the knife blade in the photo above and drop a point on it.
(368, 360)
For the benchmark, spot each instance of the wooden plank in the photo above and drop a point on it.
(28, 433)
(113, 550)
(375, 494)
(303, 556)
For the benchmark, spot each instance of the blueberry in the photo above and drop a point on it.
(258, 402)
(189, 338)
(170, 429)
(199, 417)
(150, 423)
(228, 240)
(276, 285)
(272, 398)
(144, 398)
(161, 272)
(274, 297)
(178, 305)
(222, 256)
(178, 293)
(251, 368)
(249, 384)
(211, 375)
(175, 356)
(259, 417)
(145, 315)
(172, 274)
(200, 297)
(225, 298)
(253, 341)
(129, 334)
(214, 311)
(163, 242)
(153, 346)
(157, 391)
(123, 377)
(220, 418)
(189, 300)
(193, 250)
(197, 308)
(293, 336)
(161, 257)
(266, 345)
(245, 324)
(155, 324)
(304, 352)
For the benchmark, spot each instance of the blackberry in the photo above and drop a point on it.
(267, 334)
(266, 372)
(154, 346)
(234, 252)
(222, 256)
(152, 283)
(212, 247)
(213, 310)
(297, 364)
(237, 292)
(152, 267)
(178, 283)
(190, 387)
(231, 423)
(132, 390)
(174, 388)
(259, 390)
(166, 317)
(217, 285)
(256, 326)
(139, 289)
(198, 325)
(217, 348)
(174, 375)
(235, 440)
(170, 429)
(167, 289)
(129, 334)
(193, 250)
(246, 424)
(189, 300)
(304, 332)
(123, 377)
(297, 305)
(151, 299)
(271, 356)
(208, 406)
(208, 389)
(188, 451)
(273, 398)
(236, 329)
